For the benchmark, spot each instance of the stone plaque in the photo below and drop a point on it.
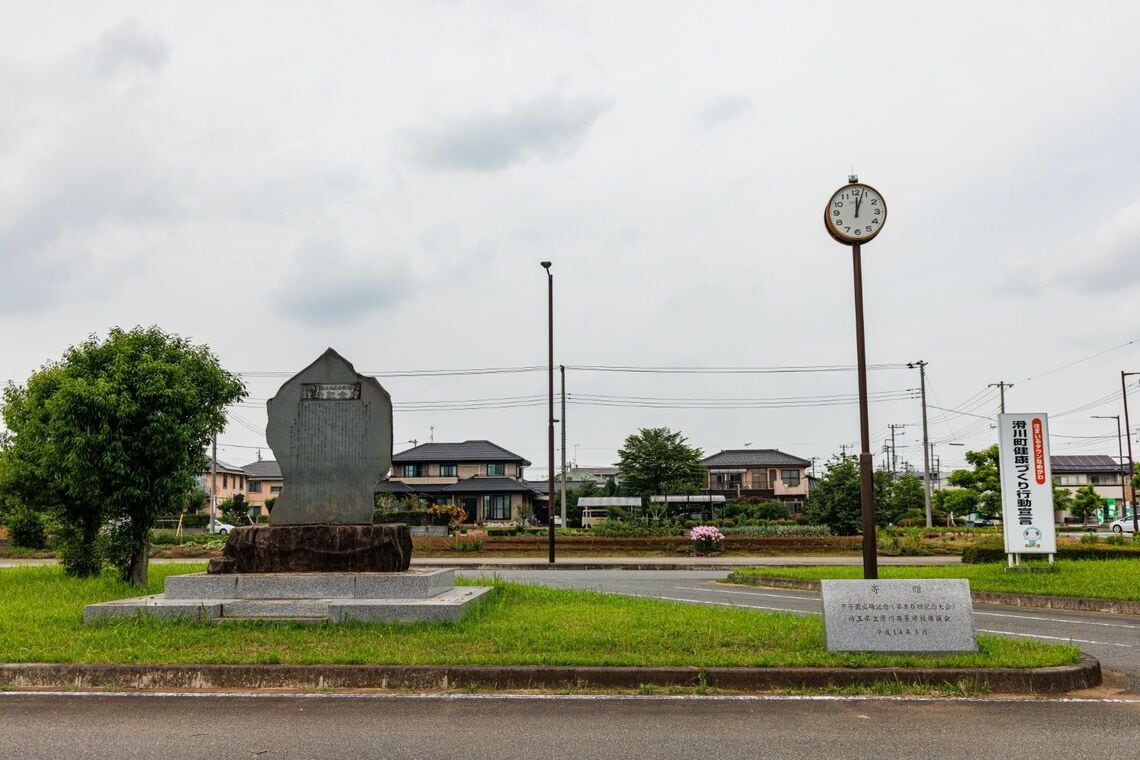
(331, 431)
(898, 616)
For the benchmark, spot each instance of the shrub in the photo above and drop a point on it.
(1090, 538)
(26, 529)
(982, 553)
(706, 538)
(464, 545)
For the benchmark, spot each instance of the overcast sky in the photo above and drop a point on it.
(275, 178)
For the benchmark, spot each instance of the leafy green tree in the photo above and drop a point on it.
(906, 495)
(837, 500)
(956, 501)
(983, 480)
(657, 461)
(235, 509)
(114, 433)
(1086, 502)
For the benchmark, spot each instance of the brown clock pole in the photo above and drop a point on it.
(866, 471)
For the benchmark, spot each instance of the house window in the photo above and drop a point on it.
(274, 489)
(1068, 480)
(496, 507)
(448, 470)
(791, 478)
(225, 481)
(412, 471)
(1104, 480)
(496, 468)
(518, 472)
(727, 480)
(255, 486)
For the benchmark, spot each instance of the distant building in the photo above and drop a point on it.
(230, 481)
(758, 473)
(1100, 471)
(483, 478)
(264, 482)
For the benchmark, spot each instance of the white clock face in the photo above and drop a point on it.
(855, 213)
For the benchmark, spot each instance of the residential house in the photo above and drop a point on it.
(264, 482)
(758, 473)
(482, 478)
(227, 483)
(1100, 471)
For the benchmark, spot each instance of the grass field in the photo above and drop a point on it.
(41, 621)
(1097, 579)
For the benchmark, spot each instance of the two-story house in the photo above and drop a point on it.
(264, 481)
(226, 483)
(758, 473)
(483, 478)
(1100, 471)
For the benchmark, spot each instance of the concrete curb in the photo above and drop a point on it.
(1082, 675)
(1071, 603)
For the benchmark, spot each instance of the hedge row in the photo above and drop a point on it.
(774, 544)
(982, 553)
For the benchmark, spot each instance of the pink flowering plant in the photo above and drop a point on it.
(706, 538)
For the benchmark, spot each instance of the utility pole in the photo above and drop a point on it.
(813, 461)
(1001, 386)
(213, 482)
(925, 442)
(894, 456)
(1131, 465)
(562, 370)
(843, 448)
(1120, 453)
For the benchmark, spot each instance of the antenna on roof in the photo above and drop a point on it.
(432, 430)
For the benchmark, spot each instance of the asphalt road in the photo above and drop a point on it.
(46, 727)
(1113, 639)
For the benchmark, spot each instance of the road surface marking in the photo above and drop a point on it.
(1057, 638)
(1056, 620)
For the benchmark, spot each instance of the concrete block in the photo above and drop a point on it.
(413, 584)
(448, 607)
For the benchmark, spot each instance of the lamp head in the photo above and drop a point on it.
(545, 265)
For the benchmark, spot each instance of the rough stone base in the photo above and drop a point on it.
(315, 549)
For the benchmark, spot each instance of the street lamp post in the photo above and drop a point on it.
(550, 416)
(1120, 456)
(1131, 465)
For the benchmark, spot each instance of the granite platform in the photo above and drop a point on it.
(413, 596)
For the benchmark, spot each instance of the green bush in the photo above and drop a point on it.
(465, 545)
(986, 552)
(411, 517)
(26, 529)
(1090, 538)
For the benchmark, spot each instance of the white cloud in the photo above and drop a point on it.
(546, 128)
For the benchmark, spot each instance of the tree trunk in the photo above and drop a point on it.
(140, 562)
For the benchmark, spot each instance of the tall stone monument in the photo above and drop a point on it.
(331, 430)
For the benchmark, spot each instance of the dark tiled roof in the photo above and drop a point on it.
(754, 458)
(1084, 463)
(466, 452)
(263, 468)
(223, 467)
(480, 484)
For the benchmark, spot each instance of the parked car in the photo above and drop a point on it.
(1123, 525)
(221, 528)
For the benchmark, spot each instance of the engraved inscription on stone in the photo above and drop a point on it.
(330, 391)
(331, 431)
(898, 616)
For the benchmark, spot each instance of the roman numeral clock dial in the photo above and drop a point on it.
(855, 213)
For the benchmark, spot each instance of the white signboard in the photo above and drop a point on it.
(1026, 484)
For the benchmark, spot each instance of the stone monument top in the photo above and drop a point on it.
(330, 429)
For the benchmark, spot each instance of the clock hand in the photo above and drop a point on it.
(858, 200)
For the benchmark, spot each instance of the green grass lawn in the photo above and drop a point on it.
(41, 621)
(1098, 579)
